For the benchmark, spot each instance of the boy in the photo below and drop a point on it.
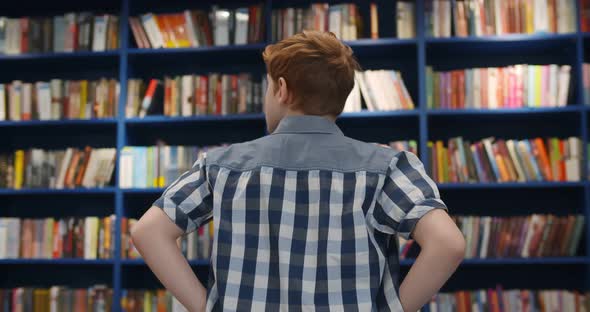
(305, 218)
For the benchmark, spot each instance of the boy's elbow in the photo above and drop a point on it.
(456, 246)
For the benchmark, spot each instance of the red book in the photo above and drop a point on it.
(148, 98)
(24, 38)
(562, 172)
(540, 152)
(218, 97)
(204, 87)
(484, 87)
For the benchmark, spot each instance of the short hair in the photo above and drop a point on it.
(318, 68)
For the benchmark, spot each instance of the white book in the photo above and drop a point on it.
(476, 88)
(187, 93)
(27, 101)
(513, 154)
(13, 36)
(535, 219)
(353, 101)
(335, 20)
(289, 22)
(99, 37)
(59, 184)
(563, 85)
(446, 7)
(106, 166)
(126, 168)
(90, 237)
(15, 100)
(241, 33)
(374, 85)
(152, 31)
(492, 83)
(436, 19)
(498, 17)
(13, 242)
(3, 238)
(43, 91)
(553, 74)
(89, 180)
(2, 102)
(56, 86)
(366, 93)
(540, 16)
(466, 228)
(221, 26)
(53, 299)
(483, 251)
(388, 80)
(190, 29)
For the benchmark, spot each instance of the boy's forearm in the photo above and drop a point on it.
(442, 249)
(430, 271)
(161, 253)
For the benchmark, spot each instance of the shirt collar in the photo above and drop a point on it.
(307, 124)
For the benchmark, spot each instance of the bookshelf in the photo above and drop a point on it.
(410, 56)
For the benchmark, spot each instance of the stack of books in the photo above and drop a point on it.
(500, 299)
(494, 17)
(526, 236)
(57, 298)
(491, 160)
(57, 169)
(382, 90)
(143, 300)
(64, 33)
(194, 95)
(503, 87)
(59, 99)
(156, 166)
(88, 238)
(196, 28)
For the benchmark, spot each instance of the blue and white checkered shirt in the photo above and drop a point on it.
(305, 219)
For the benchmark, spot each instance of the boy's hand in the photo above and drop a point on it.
(442, 249)
(154, 236)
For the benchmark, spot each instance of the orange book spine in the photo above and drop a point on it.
(543, 156)
(374, 22)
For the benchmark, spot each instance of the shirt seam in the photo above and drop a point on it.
(296, 168)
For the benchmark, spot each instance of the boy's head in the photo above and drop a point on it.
(310, 73)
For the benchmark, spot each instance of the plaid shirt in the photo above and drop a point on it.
(304, 218)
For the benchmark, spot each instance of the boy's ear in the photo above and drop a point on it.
(284, 93)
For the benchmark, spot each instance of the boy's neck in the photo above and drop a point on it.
(300, 113)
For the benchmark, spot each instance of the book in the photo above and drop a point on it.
(499, 88)
(57, 238)
(405, 20)
(197, 28)
(70, 168)
(495, 18)
(500, 299)
(192, 95)
(499, 160)
(69, 32)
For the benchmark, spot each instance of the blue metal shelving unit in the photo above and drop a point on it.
(418, 53)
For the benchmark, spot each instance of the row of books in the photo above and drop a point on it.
(155, 166)
(191, 95)
(98, 298)
(198, 28)
(144, 300)
(59, 99)
(381, 90)
(63, 33)
(503, 87)
(87, 238)
(344, 20)
(57, 169)
(510, 300)
(445, 18)
(527, 236)
(499, 160)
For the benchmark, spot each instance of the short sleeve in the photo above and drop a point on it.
(188, 200)
(407, 195)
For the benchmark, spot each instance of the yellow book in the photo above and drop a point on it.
(504, 176)
(211, 229)
(48, 236)
(147, 301)
(107, 236)
(530, 28)
(439, 161)
(83, 98)
(538, 86)
(19, 169)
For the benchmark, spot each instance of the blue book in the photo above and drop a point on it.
(140, 166)
(533, 160)
(488, 148)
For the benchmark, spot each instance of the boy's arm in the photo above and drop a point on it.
(442, 249)
(155, 237)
